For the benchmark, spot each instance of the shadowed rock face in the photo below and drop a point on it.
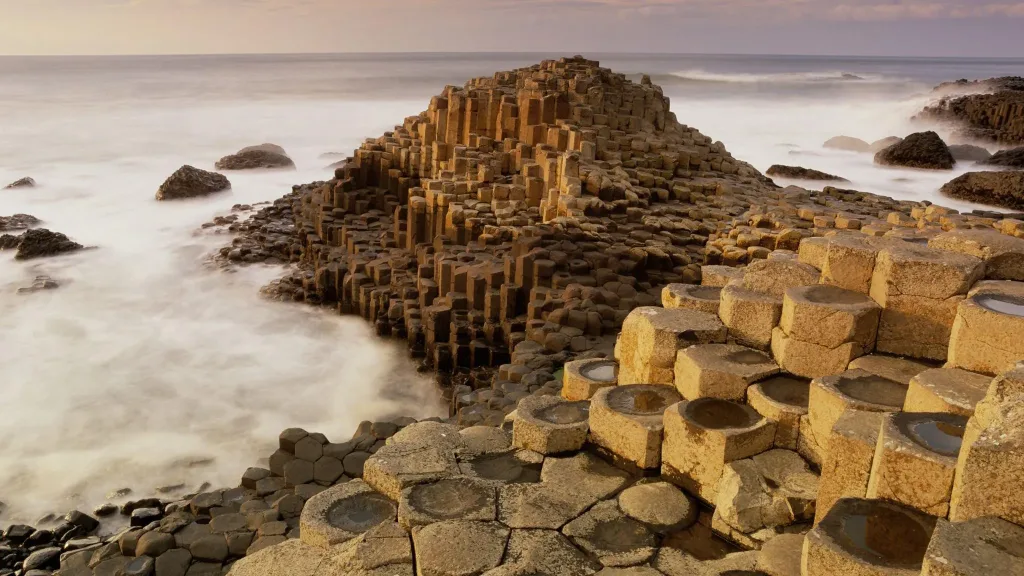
(995, 114)
(800, 173)
(969, 153)
(880, 532)
(25, 182)
(17, 222)
(788, 390)
(924, 150)
(41, 242)
(253, 157)
(718, 414)
(191, 182)
(1005, 189)
(1013, 158)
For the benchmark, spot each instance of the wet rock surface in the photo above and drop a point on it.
(1005, 189)
(800, 173)
(988, 110)
(40, 243)
(256, 157)
(1013, 158)
(18, 222)
(191, 182)
(924, 150)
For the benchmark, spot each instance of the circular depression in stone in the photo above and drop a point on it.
(884, 534)
(505, 468)
(873, 389)
(620, 535)
(564, 413)
(1001, 304)
(718, 414)
(706, 292)
(642, 399)
(833, 295)
(361, 512)
(747, 357)
(942, 434)
(601, 371)
(789, 390)
(448, 499)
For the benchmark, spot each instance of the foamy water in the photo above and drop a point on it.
(145, 360)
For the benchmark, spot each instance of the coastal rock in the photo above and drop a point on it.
(253, 157)
(40, 242)
(969, 153)
(882, 144)
(1013, 158)
(18, 222)
(920, 150)
(1004, 189)
(9, 241)
(191, 182)
(988, 110)
(42, 283)
(847, 143)
(26, 182)
(800, 173)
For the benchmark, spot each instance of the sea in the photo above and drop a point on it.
(149, 369)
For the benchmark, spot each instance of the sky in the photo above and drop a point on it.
(829, 27)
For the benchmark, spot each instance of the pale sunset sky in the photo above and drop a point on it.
(833, 27)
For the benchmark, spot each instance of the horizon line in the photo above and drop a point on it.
(507, 53)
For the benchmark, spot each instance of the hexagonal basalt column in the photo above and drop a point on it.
(980, 546)
(848, 263)
(867, 538)
(892, 368)
(948, 390)
(581, 379)
(986, 335)
(720, 371)
(772, 489)
(915, 460)
(784, 399)
(846, 468)
(549, 424)
(650, 337)
(343, 512)
(1003, 254)
(627, 421)
(692, 297)
(749, 316)
(612, 537)
(704, 435)
(919, 289)
(448, 499)
(853, 389)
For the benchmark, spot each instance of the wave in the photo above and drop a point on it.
(698, 75)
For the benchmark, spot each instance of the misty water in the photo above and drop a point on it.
(147, 368)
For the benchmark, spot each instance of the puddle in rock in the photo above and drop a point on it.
(603, 371)
(642, 400)
(565, 413)
(873, 389)
(1001, 303)
(746, 357)
(789, 390)
(503, 467)
(621, 535)
(942, 437)
(450, 498)
(887, 535)
(719, 414)
(361, 512)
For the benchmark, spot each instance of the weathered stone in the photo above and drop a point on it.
(289, 558)
(846, 468)
(979, 546)
(783, 399)
(543, 552)
(646, 349)
(343, 512)
(191, 182)
(447, 499)
(775, 488)
(920, 150)
(549, 424)
(948, 390)
(985, 333)
(720, 371)
(626, 421)
(458, 548)
(612, 537)
(658, 505)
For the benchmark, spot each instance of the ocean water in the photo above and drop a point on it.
(147, 368)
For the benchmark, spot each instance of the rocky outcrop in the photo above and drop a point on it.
(800, 173)
(969, 153)
(920, 150)
(847, 143)
(882, 144)
(18, 222)
(1004, 189)
(191, 182)
(25, 182)
(1013, 158)
(40, 242)
(256, 157)
(993, 113)
(39, 284)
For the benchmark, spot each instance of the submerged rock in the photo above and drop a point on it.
(800, 173)
(191, 182)
(848, 143)
(40, 242)
(1013, 158)
(1005, 189)
(253, 157)
(18, 222)
(879, 145)
(40, 283)
(969, 153)
(920, 150)
(26, 182)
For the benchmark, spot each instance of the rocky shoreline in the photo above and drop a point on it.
(658, 361)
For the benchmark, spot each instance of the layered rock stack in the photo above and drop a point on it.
(994, 115)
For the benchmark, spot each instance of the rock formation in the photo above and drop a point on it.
(254, 157)
(992, 111)
(191, 182)
(883, 143)
(40, 242)
(1013, 158)
(25, 182)
(18, 222)
(920, 150)
(969, 153)
(799, 173)
(1004, 189)
(848, 143)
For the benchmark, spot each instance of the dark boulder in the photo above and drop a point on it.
(18, 222)
(1013, 158)
(191, 182)
(253, 157)
(41, 242)
(969, 153)
(1004, 188)
(9, 241)
(25, 182)
(847, 143)
(800, 173)
(919, 150)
